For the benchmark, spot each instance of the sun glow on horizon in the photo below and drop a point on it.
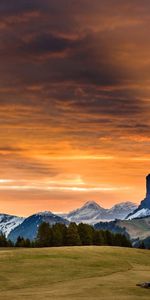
(75, 157)
(74, 185)
(74, 103)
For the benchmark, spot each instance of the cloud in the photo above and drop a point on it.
(74, 84)
(45, 44)
(15, 7)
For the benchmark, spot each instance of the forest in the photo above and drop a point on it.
(59, 235)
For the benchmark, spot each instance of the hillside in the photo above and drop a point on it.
(29, 227)
(74, 273)
(9, 223)
(135, 228)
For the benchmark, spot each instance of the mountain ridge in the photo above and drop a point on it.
(91, 212)
(136, 230)
(29, 227)
(9, 222)
(143, 209)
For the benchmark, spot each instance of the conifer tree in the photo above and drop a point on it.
(109, 238)
(3, 240)
(142, 245)
(44, 236)
(73, 237)
(58, 234)
(98, 238)
(19, 242)
(86, 233)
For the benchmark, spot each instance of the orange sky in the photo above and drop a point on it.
(74, 103)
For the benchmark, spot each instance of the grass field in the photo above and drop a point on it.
(74, 273)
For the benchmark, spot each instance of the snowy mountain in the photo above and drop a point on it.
(141, 213)
(8, 223)
(87, 213)
(29, 227)
(92, 213)
(121, 210)
(143, 210)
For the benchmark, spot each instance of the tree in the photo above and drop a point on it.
(59, 234)
(19, 242)
(86, 234)
(44, 236)
(10, 243)
(98, 238)
(73, 237)
(108, 238)
(27, 243)
(3, 240)
(142, 245)
(24, 243)
(121, 240)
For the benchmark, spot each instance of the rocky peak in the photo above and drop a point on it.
(145, 204)
(148, 186)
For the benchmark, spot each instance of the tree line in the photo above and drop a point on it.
(73, 235)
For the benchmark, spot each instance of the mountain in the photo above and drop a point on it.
(136, 229)
(29, 227)
(143, 209)
(9, 222)
(121, 210)
(92, 213)
(141, 213)
(87, 213)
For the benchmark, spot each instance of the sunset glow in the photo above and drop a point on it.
(74, 103)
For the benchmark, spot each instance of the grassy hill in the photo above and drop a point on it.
(74, 273)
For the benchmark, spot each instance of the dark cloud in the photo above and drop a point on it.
(33, 168)
(74, 84)
(14, 7)
(11, 149)
(77, 60)
(45, 43)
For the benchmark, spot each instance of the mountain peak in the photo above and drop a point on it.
(91, 204)
(148, 186)
(144, 206)
(44, 213)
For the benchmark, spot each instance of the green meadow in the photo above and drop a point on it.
(74, 273)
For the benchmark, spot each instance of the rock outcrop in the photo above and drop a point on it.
(144, 207)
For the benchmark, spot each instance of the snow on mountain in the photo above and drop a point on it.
(87, 213)
(91, 212)
(144, 212)
(44, 213)
(143, 209)
(29, 227)
(8, 223)
(121, 210)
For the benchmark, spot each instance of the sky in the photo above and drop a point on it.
(74, 103)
